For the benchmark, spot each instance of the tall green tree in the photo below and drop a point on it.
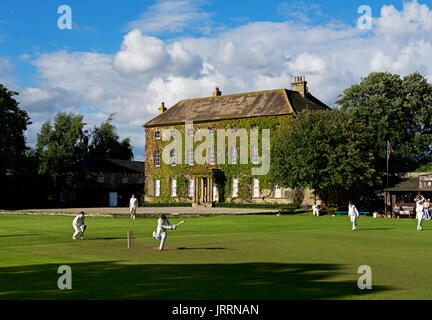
(13, 124)
(328, 151)
(62, 144)
(106, 144)
(397, 109)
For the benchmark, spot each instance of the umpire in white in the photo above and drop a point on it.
(133, 204)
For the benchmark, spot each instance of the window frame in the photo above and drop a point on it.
(234, 187)
(255, 188)
(157, 187)
(173, 158)
(156, 163)
(173, 188)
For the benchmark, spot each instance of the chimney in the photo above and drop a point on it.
(162, 108)
(216, 92)
(299, 85)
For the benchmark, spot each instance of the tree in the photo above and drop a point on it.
(13, 124)
(328, 151)
(245, 187)
(62, 144)
(106, 144)
(394, 109)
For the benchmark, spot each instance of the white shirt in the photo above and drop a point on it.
(133, 203)
(418, 202)
(163, 224)
(419, 208)
(352, 211)
(78, 221)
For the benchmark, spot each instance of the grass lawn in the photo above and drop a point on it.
(229, 257)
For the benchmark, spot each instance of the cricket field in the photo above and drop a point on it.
(225, 258)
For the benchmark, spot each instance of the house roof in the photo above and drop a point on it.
(411, 184)
(235, 106)
(111, 165)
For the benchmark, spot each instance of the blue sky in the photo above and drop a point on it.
(127, 57)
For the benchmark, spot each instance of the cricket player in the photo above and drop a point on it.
(353, 214)
(133, 204)
(427, 212)
(79, 226)
(419, 211)
(160, 233)
(315, 210)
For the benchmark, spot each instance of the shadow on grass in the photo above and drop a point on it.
(218, 248)
(115, 280)
(20, 235)
(108, 238)
(374, 229)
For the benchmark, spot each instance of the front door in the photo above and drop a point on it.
(215, 198)
(205, 191)
(113, 199)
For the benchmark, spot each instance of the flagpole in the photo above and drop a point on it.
(388, 156)
(387, 184)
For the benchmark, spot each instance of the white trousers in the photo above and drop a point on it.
(77, 231)
(419, 219)
(163, 236)
(316, 212)
(354, 222)
(133, 212)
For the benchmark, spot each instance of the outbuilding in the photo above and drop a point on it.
(405, 192)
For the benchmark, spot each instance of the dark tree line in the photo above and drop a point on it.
(342, 153)
(28, 176)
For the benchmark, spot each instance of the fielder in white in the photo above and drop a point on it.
(315, 210)
(353, 214)
(78, 225)
(160, 233)
(419, 211)
(133, 205)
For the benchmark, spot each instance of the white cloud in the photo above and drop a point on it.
(185, 63)
(151, 56)
(307, 63)
(7, 72)
(299, 10)
(141, 54)
(399, 26)
(172, 16)
(255, 56)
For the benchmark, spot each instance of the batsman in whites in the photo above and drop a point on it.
(160, 233)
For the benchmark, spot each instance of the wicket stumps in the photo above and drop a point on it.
(129, 239)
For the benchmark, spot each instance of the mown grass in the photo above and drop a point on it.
(229, 257)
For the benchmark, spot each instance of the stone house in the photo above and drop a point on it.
(187, 158)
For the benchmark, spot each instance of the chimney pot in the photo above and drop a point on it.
(217, 92)
(299, 85)
(162, 108)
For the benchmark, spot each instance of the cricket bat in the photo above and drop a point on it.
(181, 222)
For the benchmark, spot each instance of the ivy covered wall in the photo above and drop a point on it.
(227, 171)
